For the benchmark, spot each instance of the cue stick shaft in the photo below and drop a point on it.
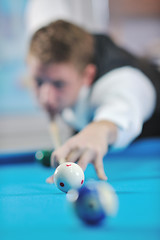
(55, 135)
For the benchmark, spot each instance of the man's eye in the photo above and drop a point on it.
(39, 82)
(58, 84)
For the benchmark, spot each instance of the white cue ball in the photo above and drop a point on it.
(68, 176)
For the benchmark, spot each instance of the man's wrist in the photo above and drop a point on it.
(110, 129)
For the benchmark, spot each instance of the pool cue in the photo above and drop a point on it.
(55, 135)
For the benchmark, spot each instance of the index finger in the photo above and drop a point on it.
(59, 156)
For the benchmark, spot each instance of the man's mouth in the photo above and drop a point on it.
(52, 111)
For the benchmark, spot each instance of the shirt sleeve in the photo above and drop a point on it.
(126, 97)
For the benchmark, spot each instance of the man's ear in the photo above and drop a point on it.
(89, 74)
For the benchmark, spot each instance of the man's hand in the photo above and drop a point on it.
(88, 146)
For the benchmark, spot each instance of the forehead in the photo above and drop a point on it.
(53, 69)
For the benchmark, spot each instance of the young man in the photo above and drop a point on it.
(102, 91)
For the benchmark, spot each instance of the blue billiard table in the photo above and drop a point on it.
(32, 209)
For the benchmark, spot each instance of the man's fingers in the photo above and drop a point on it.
(86, 158)
(59, 156)
(89, 156)
(74, 155)
(98, 164)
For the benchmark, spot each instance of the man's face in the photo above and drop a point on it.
(57, 85)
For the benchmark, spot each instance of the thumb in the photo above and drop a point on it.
(50, 179)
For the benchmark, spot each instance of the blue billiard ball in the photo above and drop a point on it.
(94, 202)
(88, 206)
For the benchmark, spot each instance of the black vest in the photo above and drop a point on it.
(108, 56)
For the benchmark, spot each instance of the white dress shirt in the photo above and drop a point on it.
(124, 96)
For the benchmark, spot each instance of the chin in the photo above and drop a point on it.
(53, 112)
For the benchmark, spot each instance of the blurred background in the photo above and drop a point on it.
(135, 25)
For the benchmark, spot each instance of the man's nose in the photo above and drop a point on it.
(48, 93)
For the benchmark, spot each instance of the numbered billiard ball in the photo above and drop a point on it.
(94, 202)
(44, 157)
(68, 175)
